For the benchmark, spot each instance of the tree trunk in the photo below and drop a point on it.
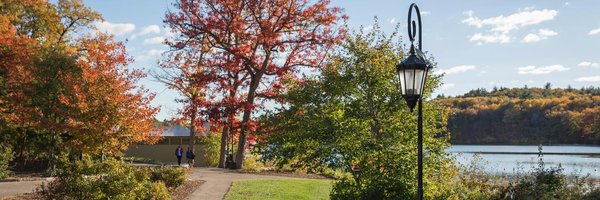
(192, 123)
(222, 155)
(239, 156)
(254, 82)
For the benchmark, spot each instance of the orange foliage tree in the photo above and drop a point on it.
(78, 91)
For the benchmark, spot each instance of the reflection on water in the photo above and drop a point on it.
(508, 159)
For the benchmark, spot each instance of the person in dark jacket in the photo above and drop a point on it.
(179, 153)
(189, 154)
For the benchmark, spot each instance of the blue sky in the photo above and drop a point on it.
(478, 44)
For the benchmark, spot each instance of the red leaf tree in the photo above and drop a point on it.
(254, 46)
(185, 72)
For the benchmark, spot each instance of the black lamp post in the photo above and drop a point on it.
(412, 72)
(229, 163)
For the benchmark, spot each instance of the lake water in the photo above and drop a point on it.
(507, 159)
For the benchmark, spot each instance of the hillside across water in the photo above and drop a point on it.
(525, 116)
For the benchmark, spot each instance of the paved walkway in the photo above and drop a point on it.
(19, 187)
(218, 182)
(216, 185)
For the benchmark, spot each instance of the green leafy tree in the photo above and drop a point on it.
(352, 118)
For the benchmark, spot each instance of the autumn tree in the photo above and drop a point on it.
(188, 70)
(184, 71)
(71, 91)
(106, 111)
(264, 42)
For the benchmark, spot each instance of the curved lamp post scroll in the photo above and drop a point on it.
(412, 73)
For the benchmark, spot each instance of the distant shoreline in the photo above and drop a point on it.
(501, 144)
(531, 153)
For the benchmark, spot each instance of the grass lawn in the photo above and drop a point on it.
(294, 189)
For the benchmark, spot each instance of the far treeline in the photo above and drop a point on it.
(525, 116)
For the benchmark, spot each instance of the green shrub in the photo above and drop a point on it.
(141, 160)
(211, 146)
(542, 183)
(472, 182)
(592, 195)
(158, 191)
(391, 174)
(111, 179)
(6, 155)
(252, 164)
(335, 174)
(172, 177)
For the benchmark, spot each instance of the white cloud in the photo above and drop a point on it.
(588, 79)
(588, 64)
(456, 69)
(115, 29)
(481, 38)
(500, 27)
(150, 54)
(425, 13)
(155, 52)
(594, 32)
(154, 40)
(512, 22)
(542, 34)
(446, 86)
(530, 69)
(392, 20)
(367, 28)
(146, 30)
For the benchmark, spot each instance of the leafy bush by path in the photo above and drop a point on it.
(111, 179)
(335, 174)
(141, 160)
(212, 146)
(172, 177)
(279, 189)
(252, 164)
(6, 155)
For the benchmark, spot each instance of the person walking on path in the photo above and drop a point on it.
(179, 153)
(190, 157)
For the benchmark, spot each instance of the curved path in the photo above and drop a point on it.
(216, 185)
(218, 182)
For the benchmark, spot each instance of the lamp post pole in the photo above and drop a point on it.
(420, 147)
(412, 73)
(412, 28)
